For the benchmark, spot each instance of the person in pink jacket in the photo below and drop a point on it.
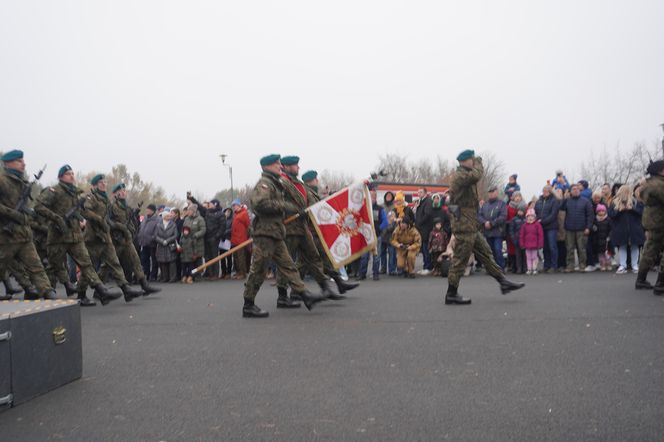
(531, 238)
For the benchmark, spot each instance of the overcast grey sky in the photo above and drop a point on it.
(166, 86)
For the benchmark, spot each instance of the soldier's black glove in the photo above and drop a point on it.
(302, 213)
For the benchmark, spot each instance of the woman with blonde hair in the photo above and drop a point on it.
(627, 232)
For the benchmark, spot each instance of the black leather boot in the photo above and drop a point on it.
(310, 299)
(50, 294)
(508, 286)
(130, 293)
(344, 286)
(251, 310)
(452, 297)
(104, 295)
(659, 285)
(30, 293)
(147, 289)
(284, 302)
(70, 288)
(326, 290)
(84, 301)
(642, 281)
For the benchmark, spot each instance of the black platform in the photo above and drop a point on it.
(40, 348)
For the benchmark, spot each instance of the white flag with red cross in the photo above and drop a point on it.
(344, 223)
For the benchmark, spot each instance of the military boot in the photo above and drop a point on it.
(147, 289)
(659, 285)
(508, 286)
(642, 281)
(130, 293)
(452, 297)
(104, 295)
(11, 289)
(310, 299)
(70, 288)
(326, 290)
(344, 286)
(284, 302)
(50, 294)
(30, 293)
(251, 310)
(84, 301)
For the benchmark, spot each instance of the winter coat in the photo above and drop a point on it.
(510, 189)
(562, 186)
(228, 227)
(240, 226)
(531, 236)
(188, 244)
(197, 226)
(379, 219)
(409, 237)
(547, 212)
(424, 216)
(215, 225)
(600, 236)
(626, 227)
(496, 213)
(438, 240)
(579, 214)
(511, 215)
(514, 230)
(386, 234)
(147, 231)
(166, 237)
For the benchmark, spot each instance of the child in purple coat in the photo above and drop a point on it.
(531, 238)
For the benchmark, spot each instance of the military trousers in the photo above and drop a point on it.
(266, 250)
(57, 255)
(653, 248)
(17, 270)
(25, 255)
(303, 250)
(128, 258)
(406, 259)
(576, 241)
(104, 254)
(328, 268)
(467, 244)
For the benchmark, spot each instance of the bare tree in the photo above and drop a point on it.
(619, 165)
(331, 181)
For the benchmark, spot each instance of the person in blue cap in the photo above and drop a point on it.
(269, 233)
(16, 242)
(464, 203)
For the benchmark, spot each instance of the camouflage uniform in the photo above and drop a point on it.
(267, 202)
(465, 227)
(16, 243)
(123, 229)
(411, 238)
(65, 236)
(652, 194)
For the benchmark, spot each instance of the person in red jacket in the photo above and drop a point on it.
(239, 234)
(531, 238)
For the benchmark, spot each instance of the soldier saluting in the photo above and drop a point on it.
(652, 195)
(16, 242)
(61, 206)
(267, 202)
(464, 203)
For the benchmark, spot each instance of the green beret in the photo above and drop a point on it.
(270, 159)
(118, 186)
(95, 179)
(466, 155)
(309, 175)
(64, 169)
(12, 155)
(290, 160)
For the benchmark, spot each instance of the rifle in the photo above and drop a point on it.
(73, 212)
(22, 205)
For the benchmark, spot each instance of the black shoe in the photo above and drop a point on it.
(383, 271)
(452, 297)
(642, 281)
(660, 280)
(147, 289)
(6, 297)
(344, 286)
(70, 288)
(30, 293)
(284, 302)
(130, 293)
(410, 275)
(84, 301)
(253, 311)
(10, 289)
(376, 278)
(509, 286)
(295, 296)
(326, 289)
(310, 299)
(50, 294)
(104, 295)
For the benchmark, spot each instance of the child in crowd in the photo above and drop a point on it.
(437, 244)
(531, 238)
(187, 256)
(514, 231)
(601, 232)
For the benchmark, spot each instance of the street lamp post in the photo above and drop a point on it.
(230, 172)
(662, 125)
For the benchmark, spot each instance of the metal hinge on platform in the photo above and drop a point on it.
(7, 400)
(6, 336)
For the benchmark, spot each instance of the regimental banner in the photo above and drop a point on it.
(344, 223)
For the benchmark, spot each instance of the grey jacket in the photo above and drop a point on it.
(496, 213)
(165, 237)
(147, 231)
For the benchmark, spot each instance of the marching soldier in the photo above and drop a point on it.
(299, 241)
(310, 179)
(652, 195)
(267, 202)
(16, 244)
(122, 227)
(61, 206)
(464, 203)
(98, 238)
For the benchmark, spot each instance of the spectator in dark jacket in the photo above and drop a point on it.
(146, 234)
(424, 223)
(586, 191)
(227, 263)
(492, 217)
(388, 257)
(166, 238)
(627, 233)
(511, 187)
(601, 232)
(214, 229)
(578, 222)
(380, 224)
(547, 208)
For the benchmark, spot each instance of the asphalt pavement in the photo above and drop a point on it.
(570, 357)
